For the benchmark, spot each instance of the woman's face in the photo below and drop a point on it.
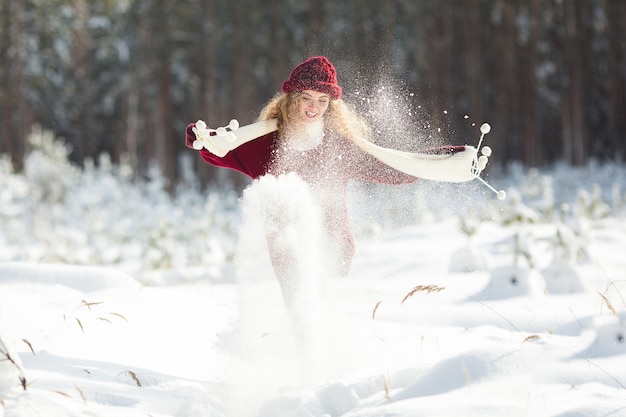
(312, 105)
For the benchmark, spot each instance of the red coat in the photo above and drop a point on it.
(327, 168)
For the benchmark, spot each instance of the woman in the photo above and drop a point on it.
(316, 136)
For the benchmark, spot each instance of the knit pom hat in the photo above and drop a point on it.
(317, 74)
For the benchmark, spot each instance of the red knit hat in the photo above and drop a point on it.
(316, 73)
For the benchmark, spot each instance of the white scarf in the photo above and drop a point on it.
(458, 167)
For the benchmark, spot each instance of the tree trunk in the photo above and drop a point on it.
(616, 14)
(80, 72)
(165, 148)
(358, 41)
(143, 78)
(531, 125)
(6, 141)
(504, 78)
(14, 129)
(278, 65)
(574, 127)
(472, 34)
(440, 51)
(382, 49)
(314, 26)
(243, 89)
(206, 65)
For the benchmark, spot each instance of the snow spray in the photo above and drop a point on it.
(282, 263)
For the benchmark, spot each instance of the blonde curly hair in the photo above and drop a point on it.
(340, 117)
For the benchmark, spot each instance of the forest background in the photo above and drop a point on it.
(124, 77)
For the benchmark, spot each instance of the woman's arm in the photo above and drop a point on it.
(448, 163)
(220, 141)
(251, 158)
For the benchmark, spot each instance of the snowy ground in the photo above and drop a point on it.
(525, 317)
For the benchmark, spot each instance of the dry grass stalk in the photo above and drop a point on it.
(119, 315)
(385, 374)
(531, 337)
(133, 376)
(88, 305)
(4, 351)
(80, 324)
(375, 309)
(387, 388)
(82, 394)
(608, 303)
(422, 288)
(466, 373)
(113, 314)
(29, 346)
(606, 372)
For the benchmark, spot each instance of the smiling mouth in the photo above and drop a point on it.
(311, 115)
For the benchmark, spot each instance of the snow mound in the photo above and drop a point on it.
(455, 373)
(467, 259)
(609, 337)
(334, 399)
(511, 281)
(562, 278)
(78, 277)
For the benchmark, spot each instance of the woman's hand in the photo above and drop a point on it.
(222, 140)
(217, 141)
